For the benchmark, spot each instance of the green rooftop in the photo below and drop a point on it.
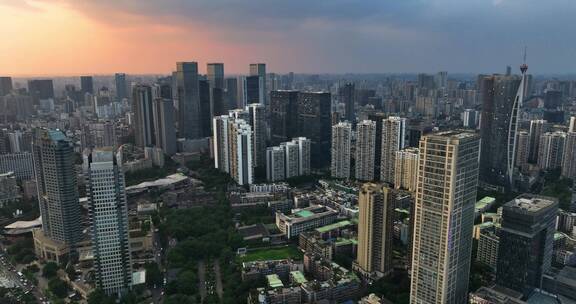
(485, 201)
(274, 281)
(343, 242)
(559, 236)
(331, 227)
(298, 277)
(304, 213)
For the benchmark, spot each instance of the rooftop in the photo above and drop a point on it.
(274, 281)
(304, 213)
(168, 180)
(298, 277)
(531, 203)
(334, 226)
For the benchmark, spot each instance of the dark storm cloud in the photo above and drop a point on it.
(377, 35)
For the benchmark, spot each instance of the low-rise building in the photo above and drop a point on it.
(258, 269)
(301, 220)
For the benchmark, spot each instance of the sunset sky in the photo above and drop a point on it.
(71, 37)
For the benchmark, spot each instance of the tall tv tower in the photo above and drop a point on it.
(513, 128)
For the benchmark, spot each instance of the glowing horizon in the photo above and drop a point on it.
(70, 38)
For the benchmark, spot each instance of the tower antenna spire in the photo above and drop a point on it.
(524, 66)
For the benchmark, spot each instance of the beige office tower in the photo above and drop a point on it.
(444, 217)
(572, 126)
(551, 150)
(406, 169)
(393, 133)
(375, 230)
(365, 145)
(523, 150)
(341, 142)
(569, 158)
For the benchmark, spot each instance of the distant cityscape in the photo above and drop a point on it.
(288, 188)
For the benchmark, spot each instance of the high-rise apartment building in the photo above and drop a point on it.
(253, 89)
(220, 140)
(143, 109)
(341, 145)
(121, 86)
(378, 118)
(5, 85)
(240, 151)
(526, 241)
(523, 149)
(232, 100)
(375, 230)
(441, 80)
(275, 165)
(470, 118)
(165, 131)
(444, 217)
(206, 113)
(393, 136)
(365, 150)
(537, 128)
(108, 212)
(22, 164)
(569, 157)
(551, 150)
(293, 155)
(314, 123)
(188, 96)
(86, 85)
(290, 158)
(41, 89)
(259, 70)
(57, 186)
(488, 245)
(406, 169)
(347, 95)
(283, 116)
(215, 74)
(572, 125)
(257, 119)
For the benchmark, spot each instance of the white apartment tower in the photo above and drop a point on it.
(393, 134)
(240, 151)
(108, 211)
(365, 150)
(275, 165)
(569, 158)
(551, 150)
(341, 143)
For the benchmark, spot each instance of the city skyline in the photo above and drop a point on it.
(406, 36)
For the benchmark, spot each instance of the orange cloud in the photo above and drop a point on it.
(55, 39)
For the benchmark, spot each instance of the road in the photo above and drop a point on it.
(219, 288)
(202, 280)
(158, 292)
(9, 278)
